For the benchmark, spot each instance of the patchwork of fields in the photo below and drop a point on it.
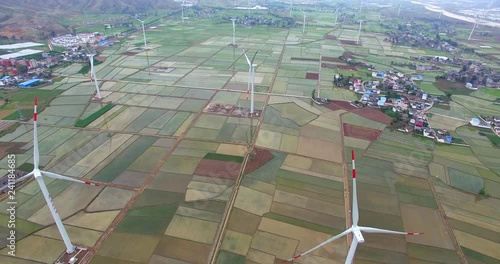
(182, 185)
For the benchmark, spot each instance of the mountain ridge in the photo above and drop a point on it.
(36, 20)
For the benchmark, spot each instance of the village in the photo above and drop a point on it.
(36, 69)
(397, 95)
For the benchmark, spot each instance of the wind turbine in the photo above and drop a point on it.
(93, 76)
(474, 27)
(399, 10)
(336, 15)
(359, 31)
(251, 75)
(38, 174)
(440, 12)
(477, 20)
(354, 229)
(304, 23)
(234, 31)
(145, 44)
(291, 8)
(183, 5)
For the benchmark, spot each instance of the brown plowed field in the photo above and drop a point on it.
(361, 132)
(336, 105)
(349, 42)
(129, 53)
(332, 59)
(312, 76)
(261, 157)
(337, 66)
(374, 114)
(218, 169)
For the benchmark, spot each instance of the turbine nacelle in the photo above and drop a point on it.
(37, 173)
(356, 232)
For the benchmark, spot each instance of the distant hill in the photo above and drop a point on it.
(90, 6)
(35, 19)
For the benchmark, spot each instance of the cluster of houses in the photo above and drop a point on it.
(473, 73)
(440, 135)
(399, 93)
(11, 76)
(70, 40)
(492, 123)
(262, 21)
(410, 34)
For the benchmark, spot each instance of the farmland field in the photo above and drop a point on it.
(180, 182)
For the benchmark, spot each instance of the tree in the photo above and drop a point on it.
(22, 68)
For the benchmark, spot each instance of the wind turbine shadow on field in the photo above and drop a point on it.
(355, 230)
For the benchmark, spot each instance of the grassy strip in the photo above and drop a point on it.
(492, 137)
(458, 141)
(85, 122)
(24, 97)
(17, 114)
(10, 129)
(301, 223)
(223, 157)
(230, 257)
(471, 254)
(28, 167)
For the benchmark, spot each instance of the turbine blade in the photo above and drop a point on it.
(36, 157)
(355, 212)
(320, 245)
(254, 57)
(384, 231)
(60, 177)
(352, 250)
(17, 181)
(24, 177)
(248, 61)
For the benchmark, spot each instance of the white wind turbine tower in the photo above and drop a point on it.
(93, 76)
(336, 15)
(477, 20)
(399, 9)
(234, 31)
(440, 11)
(356, 230)
(304, 23)
(38, 174)
(359, 31)
(251, 75)
(183, 5)
(145, 43)
(472, 31)
(291, 8)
